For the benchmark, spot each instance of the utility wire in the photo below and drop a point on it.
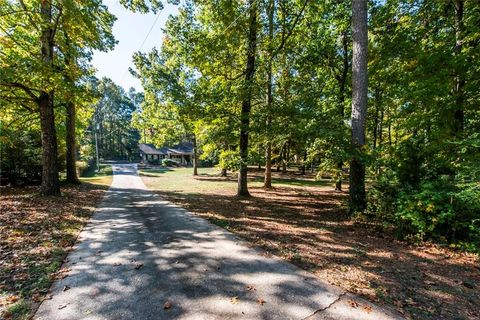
(143, 42)
(240, 15)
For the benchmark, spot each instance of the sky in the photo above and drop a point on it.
(131, 31)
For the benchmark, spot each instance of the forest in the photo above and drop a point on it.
(381, 97)
(268, 83)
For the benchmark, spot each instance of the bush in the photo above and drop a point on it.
(169, 163)
(154, 161)
(440, 210)
(229, 160)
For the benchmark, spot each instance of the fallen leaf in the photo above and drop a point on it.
(12, 299)
(368, 309)
(261, 301)
(65, 288)
(62, 306)
(167, 304)
(234, 300)
(398, 303)
(353, 303)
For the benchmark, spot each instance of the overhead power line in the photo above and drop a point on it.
(240, 15)
(144, 40)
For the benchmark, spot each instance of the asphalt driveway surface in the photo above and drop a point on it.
(141, 257)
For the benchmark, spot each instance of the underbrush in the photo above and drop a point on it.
(439, 210)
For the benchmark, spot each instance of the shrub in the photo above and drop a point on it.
(154, 161)
(229, 160)
(441, 210)
(169, 163)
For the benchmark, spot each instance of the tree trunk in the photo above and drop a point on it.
(284, 159)
(246, 103)
(359, 105)
(459, 78)
(71, 144)
(267, 183)
(50, 183)
(342, 81)
(338, 183)
(195, 156)
(304, 161)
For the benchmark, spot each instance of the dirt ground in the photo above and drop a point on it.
(35, 235)
(307, 225)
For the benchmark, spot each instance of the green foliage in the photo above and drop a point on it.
(169, 163)
(439, 210)
(111, 121)
(229, 160)
(19, 311)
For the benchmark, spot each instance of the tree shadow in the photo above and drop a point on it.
(139, 252)
(313, 231)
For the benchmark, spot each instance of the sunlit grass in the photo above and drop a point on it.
(103, 177)
(209, 181)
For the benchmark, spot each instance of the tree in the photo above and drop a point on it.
(358, 201)
(242, 189)
(37, 80)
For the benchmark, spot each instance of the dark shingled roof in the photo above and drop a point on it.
(184, 147)
(149, 148)
(181, 148)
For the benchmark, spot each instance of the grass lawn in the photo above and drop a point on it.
(36, 233)
(305, 222)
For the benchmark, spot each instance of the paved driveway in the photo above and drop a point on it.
(141, 257)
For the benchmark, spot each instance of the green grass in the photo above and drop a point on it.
(19, 311)
(103, 177)
(209, 181)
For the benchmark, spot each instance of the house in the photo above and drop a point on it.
(181, 153)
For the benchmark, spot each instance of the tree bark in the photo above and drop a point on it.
(304, 161)
(71, 144)
(359, 105)
(50, 182)
(458, 115)
(246, 103)
(342, 81)
(195, 156)
(267, 183)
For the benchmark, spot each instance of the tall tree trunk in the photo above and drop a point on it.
(304, 161)
(70, 123)
(195, 156)
(459, 78)
(284, 158)
(247, 100)
(50, 182)
(358, 201)
(342, 81)
(267, 183)
(71, 144)
(375, 127)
